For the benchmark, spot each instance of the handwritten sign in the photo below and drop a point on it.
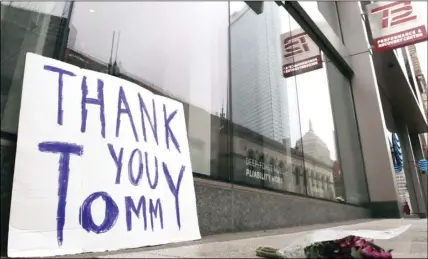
(101, 164)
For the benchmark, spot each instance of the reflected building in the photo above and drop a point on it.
(318, 165)
(264, 162)
(258, 88)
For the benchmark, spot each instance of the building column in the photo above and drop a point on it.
(418, 153)
(384, 199)
(414, 183)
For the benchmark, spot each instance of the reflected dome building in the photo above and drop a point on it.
(312, 145)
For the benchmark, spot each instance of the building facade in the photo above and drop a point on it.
(422, 90)
(256, 88)
(268, 150)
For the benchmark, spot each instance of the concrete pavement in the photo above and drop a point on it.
(411, 244)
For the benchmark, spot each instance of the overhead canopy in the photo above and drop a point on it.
(256, 6)
(396, 90)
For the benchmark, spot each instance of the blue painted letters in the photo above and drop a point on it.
(175, 189)
(99, 101)
(110, 218)
(152, 185)
(122, 100)
(146, 206)
(129, 206)
(135, 181)
(60, 72)
(154, 210)
(117, 160)
(65, 150)
(168, 132)
(152, 121)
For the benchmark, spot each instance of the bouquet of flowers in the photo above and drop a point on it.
(332, 243)
(348, 247)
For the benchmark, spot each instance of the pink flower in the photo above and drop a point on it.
(361, 243)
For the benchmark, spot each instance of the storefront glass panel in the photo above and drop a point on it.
(175, 49)
(265, 114)
(334, 165)
(36, 27)
(318, 141)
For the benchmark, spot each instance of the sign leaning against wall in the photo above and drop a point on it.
(395, 24)
(101, 164)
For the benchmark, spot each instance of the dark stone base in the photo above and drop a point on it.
(229, 208)
(386, 209)
(7, 162)
(421, 215)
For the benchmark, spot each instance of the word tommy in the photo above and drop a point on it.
(146, 207)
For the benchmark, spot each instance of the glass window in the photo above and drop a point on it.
(253, 102)
(176, 49)
(264, 103)
(349, 169)
(328, 9)
(36, 27)
(289, 113)
(330, 141)
(318, 142)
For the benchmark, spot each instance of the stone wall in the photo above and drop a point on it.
(226, 207)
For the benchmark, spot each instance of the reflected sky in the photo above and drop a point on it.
(161, 43)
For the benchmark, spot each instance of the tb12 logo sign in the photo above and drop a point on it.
(395, 13)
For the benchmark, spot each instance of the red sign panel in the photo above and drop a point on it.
(299, 53)
(395, 24)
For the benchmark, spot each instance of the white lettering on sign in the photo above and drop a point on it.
(400, 38)
(266, 172)
(395, 13)
(101, 164)
(263, 176)
(301, 65)
(395, 24)
(300, 54)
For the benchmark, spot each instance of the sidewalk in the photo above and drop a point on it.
(411, 244)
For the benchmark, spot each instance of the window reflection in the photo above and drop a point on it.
(176, 49)
(282, 135)
(264, 103)
(285, 112)
(35, 27)
(318, 143)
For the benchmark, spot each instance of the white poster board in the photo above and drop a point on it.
(101, 164)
